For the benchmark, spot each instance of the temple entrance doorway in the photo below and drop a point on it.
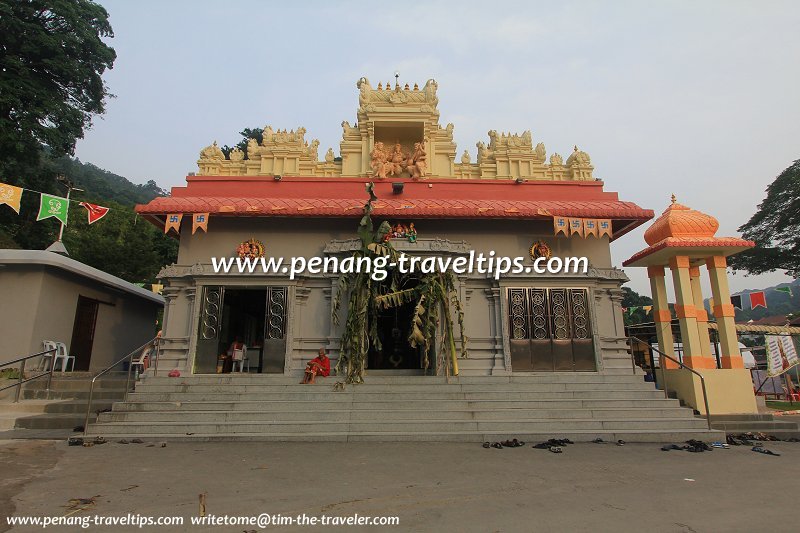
(394, 327)
(233, 316)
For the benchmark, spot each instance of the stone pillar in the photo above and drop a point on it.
(661, 314)
(730, 357)
(705, 360)
(684, 308)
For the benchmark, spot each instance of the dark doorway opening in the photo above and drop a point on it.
(394, 327)
(83, 332)
(243, 314)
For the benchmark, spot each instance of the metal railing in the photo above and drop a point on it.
(664, 374)
(155, 341)
(21, 379)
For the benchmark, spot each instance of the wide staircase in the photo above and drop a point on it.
(64, 405)
(578, 406)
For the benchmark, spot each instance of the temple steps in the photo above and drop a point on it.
(472, 409)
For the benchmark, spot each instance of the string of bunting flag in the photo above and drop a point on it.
(49, 205)
(756, 298)
(199, 221)
(582, 227)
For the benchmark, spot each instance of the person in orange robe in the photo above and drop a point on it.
(319, 366)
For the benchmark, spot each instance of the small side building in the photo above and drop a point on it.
(47, 296)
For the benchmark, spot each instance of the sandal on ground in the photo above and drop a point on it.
(487, 445)
(541, 446)
(620, 442)
(598, 440)
(497, 445)
(765, 451)
(556, 449)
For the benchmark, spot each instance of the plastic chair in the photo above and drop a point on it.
(61, 353)
(47, 359)
(143, 360)
(240, 356)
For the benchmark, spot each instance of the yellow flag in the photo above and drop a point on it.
(561, 225)
(200, 221)
(575, 226)
(589, 227)
(11, 196)
(604, 226)
(173, 222)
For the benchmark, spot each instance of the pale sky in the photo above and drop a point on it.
(696, 98)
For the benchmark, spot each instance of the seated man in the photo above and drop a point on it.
(319, 366)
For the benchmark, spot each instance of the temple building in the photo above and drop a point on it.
(276, 198)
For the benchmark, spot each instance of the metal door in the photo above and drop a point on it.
(208, 336)
(274, 355)
(549, 330)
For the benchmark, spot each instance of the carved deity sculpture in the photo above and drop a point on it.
(378, 162)
(329, 156)
(268, 135)
(526, 137)
(420, 166)
(364, 91)
(252, 148)
(465, 159)
(312, 150)
(430, 92)
(212, 152)
(398, 160)
(493, 139)
(556, 161)
(483, 152)
(540, 151)
(236, 155)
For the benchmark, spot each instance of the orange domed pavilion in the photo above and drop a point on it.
(684, 240)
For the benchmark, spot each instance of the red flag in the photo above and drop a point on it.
(758, 298)
(95, 212)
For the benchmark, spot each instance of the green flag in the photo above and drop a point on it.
(787, 290)
(53, 206)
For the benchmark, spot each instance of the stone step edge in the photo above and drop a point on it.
(408, 421)
(609, 435)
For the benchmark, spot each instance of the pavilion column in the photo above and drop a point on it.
(731, 357)
(661, 314)
(705, 360)
(684, 308)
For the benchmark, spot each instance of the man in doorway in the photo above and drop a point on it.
(319, 366)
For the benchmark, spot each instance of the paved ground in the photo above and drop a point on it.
(430, 487)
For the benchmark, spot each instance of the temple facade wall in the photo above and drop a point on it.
(308, 307)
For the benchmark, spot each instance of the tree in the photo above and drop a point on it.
(775, 228)
(52, 58)
(634, 303)
(247, 134)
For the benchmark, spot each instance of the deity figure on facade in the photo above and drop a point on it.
(420, 166)
(378, 161)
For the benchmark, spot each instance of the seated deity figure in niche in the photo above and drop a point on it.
(378, 161)
(420, 158)
(398, 160)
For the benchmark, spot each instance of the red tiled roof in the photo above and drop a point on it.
(423, 208)
(434, 198)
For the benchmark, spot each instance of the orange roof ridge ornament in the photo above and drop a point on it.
(681, 230)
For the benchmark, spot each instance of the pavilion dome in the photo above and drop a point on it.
(681, 222)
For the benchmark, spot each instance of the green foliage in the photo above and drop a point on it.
(52, 60)
(775, 228)
(247, 134)
(435, 296)
(119, 244)
(632, 299)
